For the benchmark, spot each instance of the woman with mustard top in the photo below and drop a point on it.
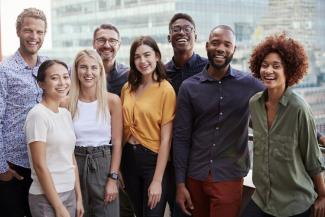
(287, 170)
(148, 102)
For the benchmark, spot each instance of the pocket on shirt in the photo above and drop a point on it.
(282, 147)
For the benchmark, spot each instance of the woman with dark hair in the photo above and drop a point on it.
(287, 170)
(148, 102)
(55, 190)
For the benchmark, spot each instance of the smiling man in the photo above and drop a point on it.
(107, 41)
(211, 132)
(19, 92)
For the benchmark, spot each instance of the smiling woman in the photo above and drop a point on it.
(55, 189)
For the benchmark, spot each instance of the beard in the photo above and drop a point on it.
(219, 66)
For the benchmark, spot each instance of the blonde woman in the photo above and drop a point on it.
(97, 121)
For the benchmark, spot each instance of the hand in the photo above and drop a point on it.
(322, 140)
(7, 176)
(111, 191)
(319, 207)
(62, 212)
(154, 194)
(183, 199)
(80, 209)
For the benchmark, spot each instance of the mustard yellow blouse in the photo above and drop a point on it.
(144, 115)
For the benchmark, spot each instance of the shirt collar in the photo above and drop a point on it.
(284, 99)
(190, 63)
(21, 62)
(206, 77)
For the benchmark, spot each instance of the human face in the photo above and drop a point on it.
(106, 43)
(31, 35)
(272, 72)
(145, 60)
(220, 48)
(182, 35)
(57, 82)
(88, 71)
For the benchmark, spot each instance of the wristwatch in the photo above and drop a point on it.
(113, 175)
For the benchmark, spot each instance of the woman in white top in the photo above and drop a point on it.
(97, 120)
(55, 190)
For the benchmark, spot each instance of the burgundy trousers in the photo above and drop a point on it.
(215, 199)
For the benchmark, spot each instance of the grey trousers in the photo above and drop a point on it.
(94, 165)
(41, 207)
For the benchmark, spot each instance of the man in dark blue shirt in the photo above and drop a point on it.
(184, 64)
(211, 132)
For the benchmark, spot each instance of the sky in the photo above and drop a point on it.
(9, 10)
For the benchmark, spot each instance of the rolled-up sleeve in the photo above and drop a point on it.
(308, 144)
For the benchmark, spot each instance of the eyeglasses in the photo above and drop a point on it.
(186, 29)
(111, 41)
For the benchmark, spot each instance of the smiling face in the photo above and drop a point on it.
(145, 60)
(31, 35)
(220, 48)
(182, 35)
(272, 72)
(88, 71)
(106, 43)
(56, 83)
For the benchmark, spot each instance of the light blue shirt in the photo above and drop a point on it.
(19, 92)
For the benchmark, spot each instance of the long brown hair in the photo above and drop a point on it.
(135, 77)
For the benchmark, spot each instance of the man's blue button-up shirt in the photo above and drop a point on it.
(19, 92)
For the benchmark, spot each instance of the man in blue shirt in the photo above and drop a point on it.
(211, 132)
(184, 64)
(19, 92)
(107, 41)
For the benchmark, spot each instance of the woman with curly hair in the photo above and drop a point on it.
(287, 170)
(148, 102)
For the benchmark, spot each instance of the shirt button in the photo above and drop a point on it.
(219, 82)
(221, 97)
(221, 113)
(213, 145)
(217, 128)
(211, 161)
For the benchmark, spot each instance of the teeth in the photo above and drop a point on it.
(32, 42)
(181, 40)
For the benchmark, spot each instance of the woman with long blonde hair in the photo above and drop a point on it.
(97, 120)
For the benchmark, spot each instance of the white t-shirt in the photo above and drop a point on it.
(56, 131)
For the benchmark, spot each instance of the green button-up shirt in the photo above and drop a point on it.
(286, 156)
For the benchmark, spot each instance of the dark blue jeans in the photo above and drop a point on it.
(252, 210)
(138, 168)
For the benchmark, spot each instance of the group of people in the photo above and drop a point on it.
(104, 139)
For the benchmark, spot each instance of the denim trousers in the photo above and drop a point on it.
(14, 194)
(94, 165)
(138, 168)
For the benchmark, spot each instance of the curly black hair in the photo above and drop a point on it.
(291, 52)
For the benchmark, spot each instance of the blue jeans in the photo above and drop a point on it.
(252, 210)
(138, 168)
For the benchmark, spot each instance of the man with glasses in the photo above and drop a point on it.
(184, 64)
(107, 41)
(19, 92)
